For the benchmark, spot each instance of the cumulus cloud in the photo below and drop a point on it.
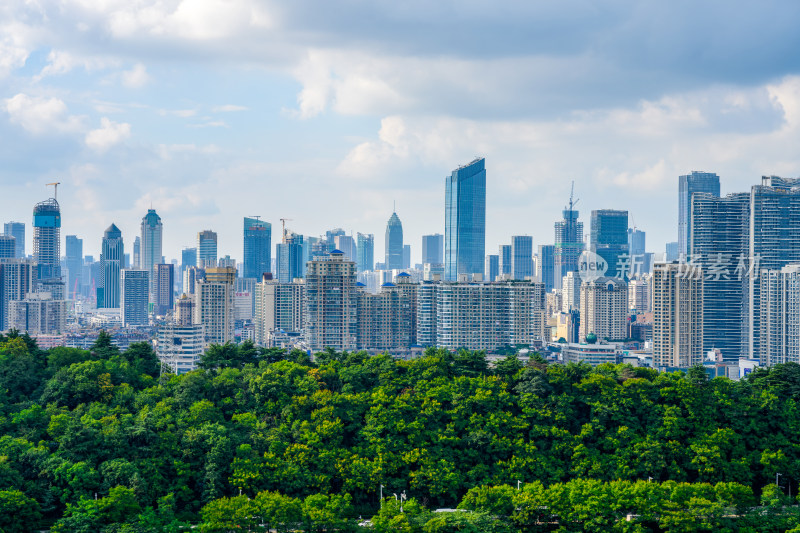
(136, 77)
(41, 115)
(107, 135)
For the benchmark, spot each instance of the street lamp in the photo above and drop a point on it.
(381, 496)
(518, 484)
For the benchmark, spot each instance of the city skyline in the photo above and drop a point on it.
(208, 114)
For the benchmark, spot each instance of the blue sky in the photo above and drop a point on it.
(328, 112)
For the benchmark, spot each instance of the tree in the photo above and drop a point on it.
(18, 513)
(118, 507)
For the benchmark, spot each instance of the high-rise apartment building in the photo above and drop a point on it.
(16, 230)
(571, 292)
(521, 257)
(465, 220)
(134, 296)
(47, 239)
(257, 248)
(331, 303)
(214, 305)
(609, 240)
(545, 268)
(151, 245)
(688, 185)
(38, 314)
(278, 307)
(113, 250)
(184, 311)
(207, 249)
(289, 255)
(779, 339)
(394, 243)
(677, 316)
(640, 294)
(74, 261)
(163, 288)
(17, 280)
(604, 309)
(365, 252)
(433, 249)
(568, 244)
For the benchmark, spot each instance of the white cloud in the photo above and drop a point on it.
(61, 62)
(228, 108)
(109, 134)
(41, 115)
(136, 77)
(183, 113)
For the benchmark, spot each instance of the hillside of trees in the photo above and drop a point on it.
(102, 440)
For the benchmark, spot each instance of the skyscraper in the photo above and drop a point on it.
(16, 230)
(188, 258)
(257, 248)
(465, 220)
(47, 239)
(568, 244)
(604, 309)
(505, 259)
(74, 253)
(521, 257)
(8, 247)
(394, 243)
(214, 305)
(135, 289)
(677, 316)
(347, 245)
(688, 185)
(331, 303)
(433, 249)
(406, 256)
(492, 269)
(609, 238)
(546, 266)
(366, 252)
(137, 252)
(163, 288)
(108, 286)
(206, 249)
(17, 279)
(290, 257)
(151, 247)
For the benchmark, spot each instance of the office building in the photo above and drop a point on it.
(290, 257)
(151, 246)
(433, 249)
(257, 248)
(108, 286)
(521, 257)
(180, 347)
(492, 269)
(688, 185)
(38, 314)
(207, 249)
(677, 316)
(604, 309)
(17, 280)
(47, 239)
(365, 252)
(568, 244)
(331, 303)
(8, 247)
(609, 240)
(505, 260)
(16, 230)
(163, 288)
(214, 305)
(545, 268)
(406, 256)
(278, 307)
(394, 243)
(465, 220)
(330, 237)
(188, 258)
(74, 262)
(347, 245)
(137, 253)
(591, 353)
(571, 292)
(135, 285)
(671, 252)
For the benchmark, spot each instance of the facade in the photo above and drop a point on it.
(521, 257)
(433, 249)
(137, 253)
(290, 257)
(47, 239)
(278, 307)
(492, 269)
(406, 256)
(257, 248)
(671, 251)
(780, 315)
(365, 251)
(609, 239)
(74, 261)
(191, 276)
(207, 249)
(38, 314)
(639, 294)
(604, 309)
(184, 311)
(135, 285)
(111, 257)
(465, 220)
(545, 268)
(571, 292)
(180, 347)
(151, 251)
(568, 245)
(331, 303)
(17, 280)
(394, 243)
(688, 185)
(386, 319)
(593, 354)
(504, 255)
(214, 305)
(347, 245)
(244, 299)
(163, 288)
(16, 230)
(677, 316)
(8, 247)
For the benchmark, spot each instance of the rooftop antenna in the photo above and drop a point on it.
(55, 185)
(394, 206)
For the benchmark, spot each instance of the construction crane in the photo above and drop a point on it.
(572, 195)
(55, 185)
(283, 229)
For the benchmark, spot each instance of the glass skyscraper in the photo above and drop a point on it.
(113, 250)
(257, 248)
(609, 238)
(433, 249)
(207, 249)
(465, 220)
(394, 243)
(47, 239)
(16, 230)
(74, 256)
(705, 182)
(289, 257)
(365, 250)
(150, 251)
(568, 245)
(504, 258)
(546, 267)
(521, 257)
